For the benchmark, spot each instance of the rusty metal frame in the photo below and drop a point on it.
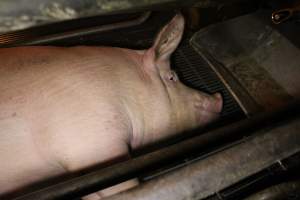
(20, 38)
(18, 15)
(92, 30)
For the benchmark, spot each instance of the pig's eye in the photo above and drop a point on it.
(173, 76)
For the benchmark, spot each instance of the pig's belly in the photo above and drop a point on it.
(29, 156)
(22, 161)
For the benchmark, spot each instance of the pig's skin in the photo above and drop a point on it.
(66, 109)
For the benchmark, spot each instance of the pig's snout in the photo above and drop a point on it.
(208, 107)
(207, 103)
(217, 104)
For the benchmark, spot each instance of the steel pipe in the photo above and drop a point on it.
(277, 192)
(117, 173)
(223, 169)
(21, 14)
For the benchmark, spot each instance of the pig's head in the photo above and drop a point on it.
(187, 108)
(176, 107)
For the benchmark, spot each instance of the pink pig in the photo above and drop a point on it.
(63, 110)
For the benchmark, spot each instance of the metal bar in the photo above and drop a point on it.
(21, 14)
(278, 192)
(86, 31)
(282, 170)
(118, 173)
(208, 176)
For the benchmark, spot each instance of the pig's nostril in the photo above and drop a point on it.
(166, 41)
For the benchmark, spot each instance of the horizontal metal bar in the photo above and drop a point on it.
(117, 173)
(86, 31)
(18, 15)
(280, 191)
(38, 37)
(208, 176)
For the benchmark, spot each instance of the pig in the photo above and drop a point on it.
(67, 109)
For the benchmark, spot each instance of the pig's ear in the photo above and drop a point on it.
(168, 38)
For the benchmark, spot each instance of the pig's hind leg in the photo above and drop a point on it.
(112, 190)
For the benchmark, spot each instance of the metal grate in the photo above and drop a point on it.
(196, 73)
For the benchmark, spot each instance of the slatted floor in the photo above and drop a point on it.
(195, 72)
